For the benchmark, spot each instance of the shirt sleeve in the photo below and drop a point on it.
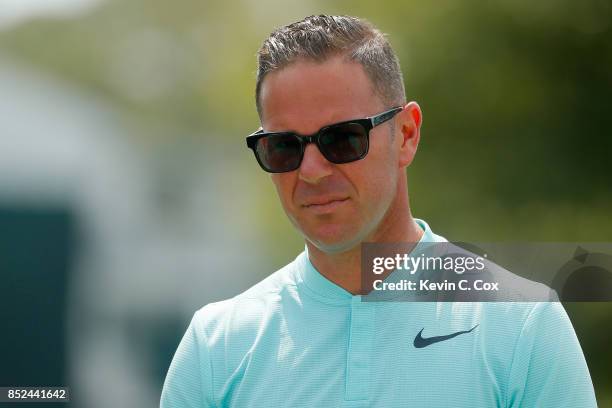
(188, 382)
(548, 368)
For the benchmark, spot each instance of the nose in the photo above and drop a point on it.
(315, 167)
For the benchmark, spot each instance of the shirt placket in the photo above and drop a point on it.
(358, 361)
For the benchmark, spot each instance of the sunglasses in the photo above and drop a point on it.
(344, 142)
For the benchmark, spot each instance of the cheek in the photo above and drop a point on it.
(381, 188)
(284, 182)
(379, 175)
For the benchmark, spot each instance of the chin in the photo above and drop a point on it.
(332, 240)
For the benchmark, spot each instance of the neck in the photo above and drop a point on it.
(344, 268)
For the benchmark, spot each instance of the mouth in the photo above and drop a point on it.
(326, 205)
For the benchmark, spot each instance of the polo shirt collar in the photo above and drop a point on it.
(326, 290)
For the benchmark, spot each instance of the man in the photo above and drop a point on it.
(337, 136)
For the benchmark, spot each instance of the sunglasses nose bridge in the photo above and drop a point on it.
(314, 165)
(314, 139)
(306, 140)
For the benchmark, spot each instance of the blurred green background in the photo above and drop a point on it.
(144, 105)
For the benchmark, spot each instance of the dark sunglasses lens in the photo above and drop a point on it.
(344, 143)
(279, 153)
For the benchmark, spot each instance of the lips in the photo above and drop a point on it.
(323, 201)
(324, 205)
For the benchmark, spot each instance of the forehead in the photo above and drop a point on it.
(306, 95)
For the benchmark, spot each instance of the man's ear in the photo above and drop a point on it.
(409, 122)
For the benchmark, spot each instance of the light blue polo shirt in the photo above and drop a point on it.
(298, 340)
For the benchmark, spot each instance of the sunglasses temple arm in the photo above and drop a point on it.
(385, 116)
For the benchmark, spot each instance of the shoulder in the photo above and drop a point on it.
(492, 282)
(242, 315)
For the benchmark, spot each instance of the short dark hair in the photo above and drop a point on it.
(318, 38)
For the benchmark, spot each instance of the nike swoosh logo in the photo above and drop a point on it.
(420, 342)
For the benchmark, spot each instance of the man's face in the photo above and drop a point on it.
(335, 206)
